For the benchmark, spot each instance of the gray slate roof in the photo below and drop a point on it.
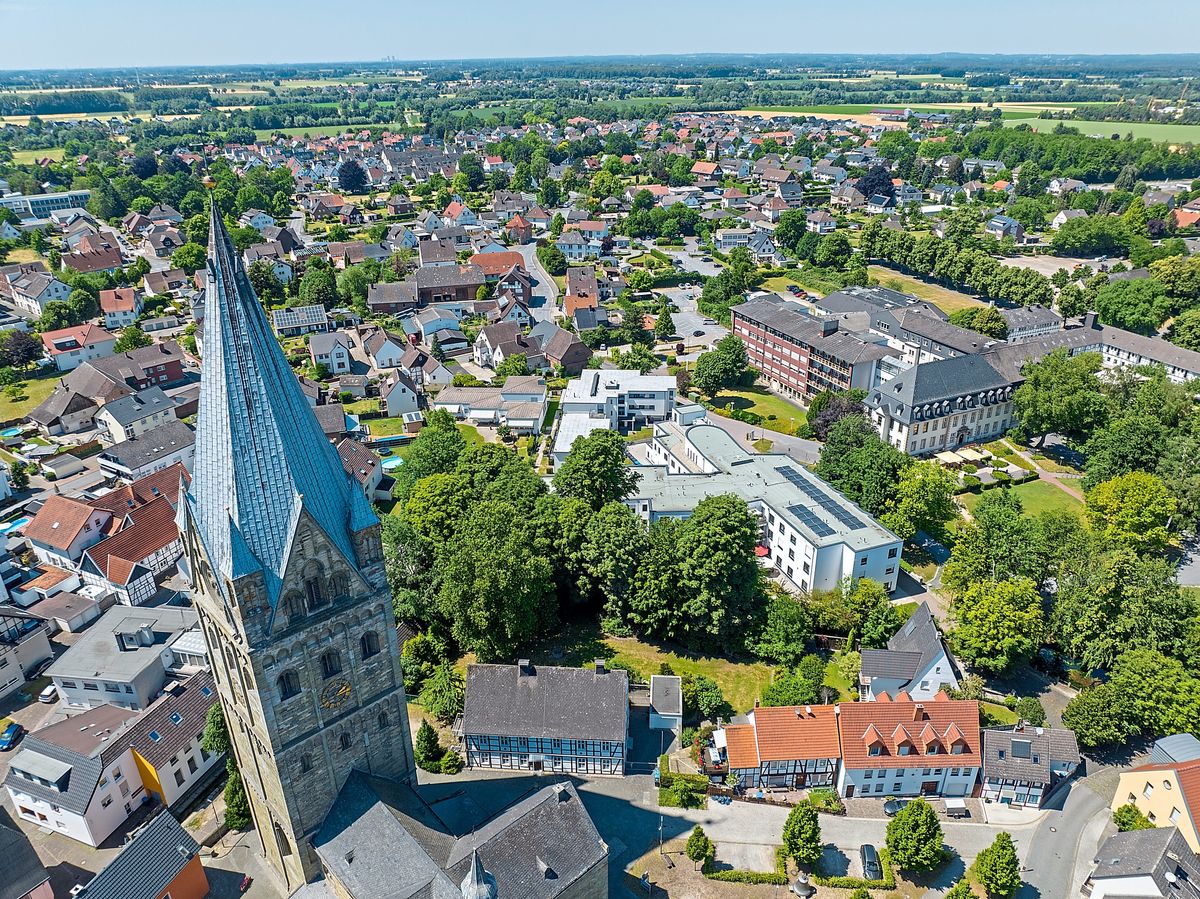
(261, 457)
(1149, 853)
(23, 870)
(545, 701)
(147, 865)
(1175, 748)
(152, 445)
(138, 406)
(933, 382)
(1029, 761)
(910, 651)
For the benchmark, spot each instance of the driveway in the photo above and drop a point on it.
(688, 320)
(544, 287)
(690, 256)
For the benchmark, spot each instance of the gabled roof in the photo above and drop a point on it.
(144, 531)
(58, 521)
(1026, 754)
(23, 870)
(147, 865)
(171, 722)
(796, 732)
(1154, 853)
(261, 457)
(890, 724)
(910, 651)
(143, 490)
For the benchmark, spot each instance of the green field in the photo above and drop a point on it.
(325, 130)
(945, 299)
(1171, 133)
(762, 402)
(1036, 497)
(34, 391)
(25, 157)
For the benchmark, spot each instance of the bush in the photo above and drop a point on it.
(778, 877)
(427, 752)
(1002, 477)
(970, 482)
(1129, 817)
(888, 882)
(451, 762)
(826, 799)
(683, 795)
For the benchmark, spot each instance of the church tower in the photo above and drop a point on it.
(287, 572)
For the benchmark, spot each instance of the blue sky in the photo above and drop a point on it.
(84, 33)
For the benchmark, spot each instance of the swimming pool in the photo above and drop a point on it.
(10, 432)
(392, 464)
(10, 526)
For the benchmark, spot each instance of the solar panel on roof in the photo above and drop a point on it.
(844, 516)
(810, 521)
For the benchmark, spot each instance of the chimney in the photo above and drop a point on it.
(1090, 322)
(600, 666)
(918, 711)
(828, 326)
(756, 702)
(524, 669)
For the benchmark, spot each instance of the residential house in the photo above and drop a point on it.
(256, 219)
(25, 877)
(582, 290)
(392, 298)
(63, 528)
(383, 348)
(728, 238)
(294, 321)
(561, 348)
(1001, 226)
(332, 350)
(24, 644)
(424, 370)
(165, 282)
(880, 204)
(1065, 215)
(820, 222)
(1167, 793)
(1059, 187)
(162, 240)
(102, 259)
(666, 702)
(794, 747)
(900, 747)
(575, 246)
(435, 252)
(162, 861)
(161, 447)
(120, 307)
(519, 230)
(69, 348)
(520, 403)
(1023, 764)
(365, 467)
(846, 196)
(31, 291)
(460, 214)
(486, 350)
(398, 394)
(915, 662)
(813, 535)
(63, 412)
(626, 400)
(135, 414)
(274, 255)
(448, 284)
(125, 657)
(128, 563)
(1154, 864)
(542, 718)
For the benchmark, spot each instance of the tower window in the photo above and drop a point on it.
(384, 722)
(331, 664)
(344, 741)
(289, 684)
(306, 763)
(339, 585)
(370, 644)
(293, 604)
(312, 587)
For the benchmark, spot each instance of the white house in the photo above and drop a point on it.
(626, 400)
(915, 662)
(331, 349)
(31, 291)
(63, 528)
(71, 347)
(23, 644)
(398, 394)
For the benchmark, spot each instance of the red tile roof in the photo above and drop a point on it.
(1188, 775)
(59, 521)
(147, 530)
(740, 746)
(66, 339)
(890, 724)
(123, 299)
(498, 263)
(796, 732)
(144, 490)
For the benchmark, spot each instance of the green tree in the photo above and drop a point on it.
(699, 847)
(923, 501)
(190, 257)
(318, 287)
(1129, 817)
(998, 623)
(1135, 509)
(961, 890)
(132, 338)
(419, 656)
(1185, 330)
(802, 834)
(595, 470)
(614, 544)
(19, 475)
(237, 806)
(516, 364)
(427, 751)
(997, 868)
(266, 286)
(351, 177)
(723, 366)
(436, 449)
(215, 738)
(1097, 718)
(19, 349)
(702, 698)
(999, 543)
(914, 838)
(833, 251)
(664, 325)
(786, 630)
(801, 686)
(857, 462)
(444, 692)
(1061, 395)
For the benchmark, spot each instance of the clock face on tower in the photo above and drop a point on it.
(335, 693)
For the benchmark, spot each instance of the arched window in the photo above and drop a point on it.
(384, 721)
(331, 664)
(344, 741)
(314, 590)
(293, 604)
(289, 684)
(369, 643)
(339, 585)
(306, 763)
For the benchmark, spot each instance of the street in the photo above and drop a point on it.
(1064, 844)
(544, 286)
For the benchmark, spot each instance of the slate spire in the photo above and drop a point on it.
(261, 457)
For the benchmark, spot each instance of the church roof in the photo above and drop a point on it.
(261, 457)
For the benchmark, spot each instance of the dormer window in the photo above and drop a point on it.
(932, 749)
(875, 750)
(904, 749)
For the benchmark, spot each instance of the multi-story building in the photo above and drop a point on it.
(802, 355)
(1022, 765)
(898, 747)
(1154, 864)
(124, 658)
(69, 348)
(133, 415)
(170, 443)
(331, 350)
(542, 718)
(915, 662)
(39, 206)
(120, 306)
(162, 860)
(1167, 793)
(23, 645)
(626, 400)
(814, 536)
(790, 746)
(1028, 322)
(63, 528)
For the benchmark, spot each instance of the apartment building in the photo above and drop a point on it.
(814, 536)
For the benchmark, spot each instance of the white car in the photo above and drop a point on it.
(50, 694)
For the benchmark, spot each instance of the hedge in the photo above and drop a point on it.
(778, 876)
(668, 778)
(852, 883)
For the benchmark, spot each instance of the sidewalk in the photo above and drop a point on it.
(1007, 816)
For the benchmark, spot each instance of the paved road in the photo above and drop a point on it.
(543, 285)
(1064, 845)
(689, 320)
(690, 256)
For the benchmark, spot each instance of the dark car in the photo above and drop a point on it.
(872, 869)
(794, 289)
(892, 806)
(697, 333)
(11, 736)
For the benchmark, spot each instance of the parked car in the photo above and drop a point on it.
(872, 868)
(708, 321)
(794, 289)
(892, 806)
(50, 694)
(39, 668)
(11, 736)
(697, 333)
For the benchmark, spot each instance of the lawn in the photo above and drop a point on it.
(945, 299)
(390, 427)
(358, 407)
(33, 393)
(999, 713)
(22, 254)
(25, 157)
(581, 643)
(846, 691)
(1158, 132)
(1036, 497)
(787, 415)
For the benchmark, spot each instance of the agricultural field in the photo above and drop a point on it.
(1152, 130)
